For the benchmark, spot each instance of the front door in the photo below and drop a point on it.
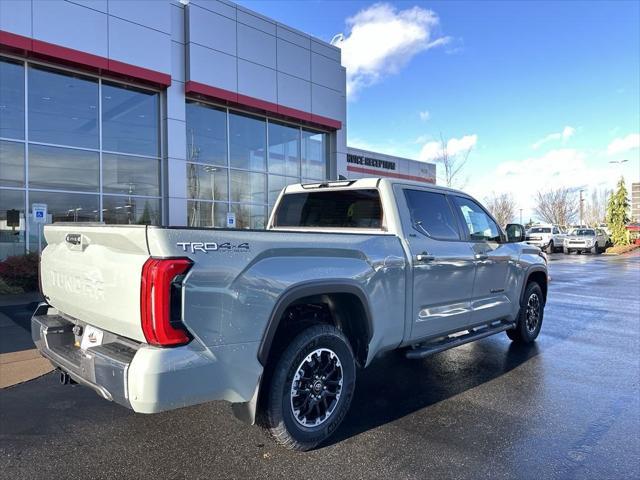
(492, 256)
(442, 264)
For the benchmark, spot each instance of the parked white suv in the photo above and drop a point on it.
(585, 240)
(548, 237)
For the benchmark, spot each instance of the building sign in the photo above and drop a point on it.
(370, 162)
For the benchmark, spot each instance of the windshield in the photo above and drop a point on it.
(540, 230)
(583, 232)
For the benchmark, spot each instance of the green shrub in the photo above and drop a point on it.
(21, 271)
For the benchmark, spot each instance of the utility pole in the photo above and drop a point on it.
(520, 216)
(581, 209)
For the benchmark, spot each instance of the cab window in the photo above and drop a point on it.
(479, 226)
(431, 214)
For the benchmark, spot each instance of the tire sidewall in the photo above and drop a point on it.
(526, 335)
(279, 400)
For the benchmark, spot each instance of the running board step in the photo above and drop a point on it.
(474, 334)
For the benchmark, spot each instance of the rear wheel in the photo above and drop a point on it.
(310, 389)
(530, 316)
(566, 251)
(595, 249)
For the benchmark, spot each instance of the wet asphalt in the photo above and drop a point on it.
(567, 407)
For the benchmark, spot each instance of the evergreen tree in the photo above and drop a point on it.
(617, 217)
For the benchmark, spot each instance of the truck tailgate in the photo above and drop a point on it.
(93, 273)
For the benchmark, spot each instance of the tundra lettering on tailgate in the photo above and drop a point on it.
(207, 247)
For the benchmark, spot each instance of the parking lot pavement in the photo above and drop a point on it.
(566, 407)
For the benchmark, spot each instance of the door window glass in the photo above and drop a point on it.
(479, 225)
(431, 214)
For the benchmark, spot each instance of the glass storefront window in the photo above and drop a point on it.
(314, 154)
(207, 182)
(130, 175)
(206, 134)
(12, 223)
(63, 108)
(248, 187)
(63, 168)
(67, 207)
(284, 149)
(250, 216)
(277, 183)
(11, 99)
(131, 210)
(130, 120)
(11, 164)
(247, 142)
(206, 214)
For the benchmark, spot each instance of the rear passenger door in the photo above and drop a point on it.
(442, 264)
(492, 257)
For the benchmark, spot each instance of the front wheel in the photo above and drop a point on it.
(530, 316)
(311, 388)
(595, 249)
(566, 251)
(550, 247)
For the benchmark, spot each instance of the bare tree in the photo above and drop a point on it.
(453, 165)
(596, 209)
(502, 207)
(559, 206)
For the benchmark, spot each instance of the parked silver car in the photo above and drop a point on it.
(582, 240)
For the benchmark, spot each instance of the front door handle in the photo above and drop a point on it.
(424, 257)
(480, 256)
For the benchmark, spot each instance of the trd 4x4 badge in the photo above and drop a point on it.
(207, 247)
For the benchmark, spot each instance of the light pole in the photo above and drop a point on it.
(212, 171)
(520, 216)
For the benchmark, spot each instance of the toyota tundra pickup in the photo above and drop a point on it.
(278, 321)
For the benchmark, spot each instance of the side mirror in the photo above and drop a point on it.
(515, 233)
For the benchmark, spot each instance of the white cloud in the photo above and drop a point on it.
(566, 133)
(624, 144)
(382, 40)
(424, 115)
(564, 167)
(432, 150)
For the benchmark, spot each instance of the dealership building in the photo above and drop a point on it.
(189, 113)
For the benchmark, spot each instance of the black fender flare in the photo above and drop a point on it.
(299, 291)
(532, 269)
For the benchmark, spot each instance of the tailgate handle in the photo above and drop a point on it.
(73, 238)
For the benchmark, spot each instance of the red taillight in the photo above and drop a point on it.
(156, 302)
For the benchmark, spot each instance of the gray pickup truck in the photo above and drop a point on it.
(278, 321)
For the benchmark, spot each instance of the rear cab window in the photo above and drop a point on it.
(330, 209)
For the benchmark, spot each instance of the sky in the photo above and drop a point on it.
(545, 94)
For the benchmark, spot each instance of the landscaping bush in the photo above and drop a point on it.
(21, 271)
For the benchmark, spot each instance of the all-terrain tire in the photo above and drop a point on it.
(278, 416)
(530, 316)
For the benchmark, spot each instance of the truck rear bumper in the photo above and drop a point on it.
(149, 379)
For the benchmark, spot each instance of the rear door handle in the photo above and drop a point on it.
(480, 256)
(424, 257)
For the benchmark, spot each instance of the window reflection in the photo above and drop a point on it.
(68, 207)
(11, 164)
(284, 149)
(63, 108)
(130, 120)
(11, 99)
(277, 183)
(247, 142)
(131, 210)
(206, 214)
(207, 182)
(206, 134)
(250, 216)
(248, 187)
(63, 168)
(130, 175)
(314, 155)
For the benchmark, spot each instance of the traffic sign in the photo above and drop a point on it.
(39, 212)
